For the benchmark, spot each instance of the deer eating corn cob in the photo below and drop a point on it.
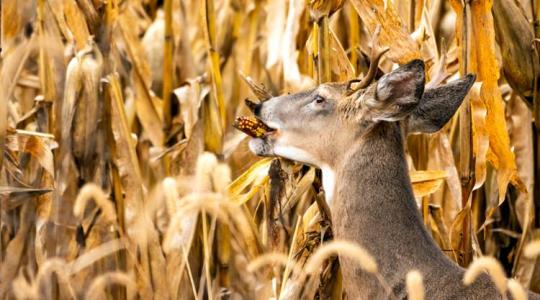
(251, 126)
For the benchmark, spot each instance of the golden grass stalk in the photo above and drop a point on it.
(92, 191)
(185, 263)
(207, 259)
(316, 261)
(253, 20)
(289, 289)
(492, 267)
(415, 285)
(95, 254)
(147, 112)
(516, 290)
(324, 50)
(171, 195)
(168, 63)
(225, 212)
(203, 173)
(44, 278)
(97, 288)
(466, 164)
(22, 289)
(256, 173)
(127, 156)
(354, 38)
(313, 50)
(181, 228)
(532, 249)
(215, 71)
(76, 22)
(342, 248)
(221, 178)
(274, 258)
(46, 74)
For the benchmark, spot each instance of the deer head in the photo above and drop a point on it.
(317, 126)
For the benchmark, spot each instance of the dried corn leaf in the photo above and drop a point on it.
(289, 54)
(393, 34)
(146, 110)
(256, 175)
(61, 22)
(521, 126)
(425, 176)
(441, 157)
(480, 135)
(275, 28)
(36, 147)
(190, 97)
(14, 17)
(341, 66)
(483, 61)
(15, 248)
(76, 23)
(311, 218)
(460, 225)
(10, 71)
(426, 182)
(50, 46)
(301, 188)
(126, 157)
(20, 190)
(499, 154)
(215, 72)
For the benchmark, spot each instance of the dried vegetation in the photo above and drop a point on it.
(118, 152)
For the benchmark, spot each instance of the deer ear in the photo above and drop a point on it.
(439, 104)
(399, 91)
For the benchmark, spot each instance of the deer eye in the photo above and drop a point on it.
(319, 99)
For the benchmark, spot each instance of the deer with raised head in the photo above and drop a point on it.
(354, 136)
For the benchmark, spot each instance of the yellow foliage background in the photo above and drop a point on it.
(120, 166)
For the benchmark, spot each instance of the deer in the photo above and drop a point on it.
(353, 132)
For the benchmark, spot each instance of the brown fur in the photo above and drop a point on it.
(376, 208)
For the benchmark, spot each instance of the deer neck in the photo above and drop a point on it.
(373, 205)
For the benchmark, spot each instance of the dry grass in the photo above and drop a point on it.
(491, 267)
(121, 175)
(516, 290)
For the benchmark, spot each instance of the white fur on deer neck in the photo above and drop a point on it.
(329, 176)
(294, 153)
(329, 183)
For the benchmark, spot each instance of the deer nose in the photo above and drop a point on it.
(257, 109)
(254, 107)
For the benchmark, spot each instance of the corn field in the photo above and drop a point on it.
(122, 176)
